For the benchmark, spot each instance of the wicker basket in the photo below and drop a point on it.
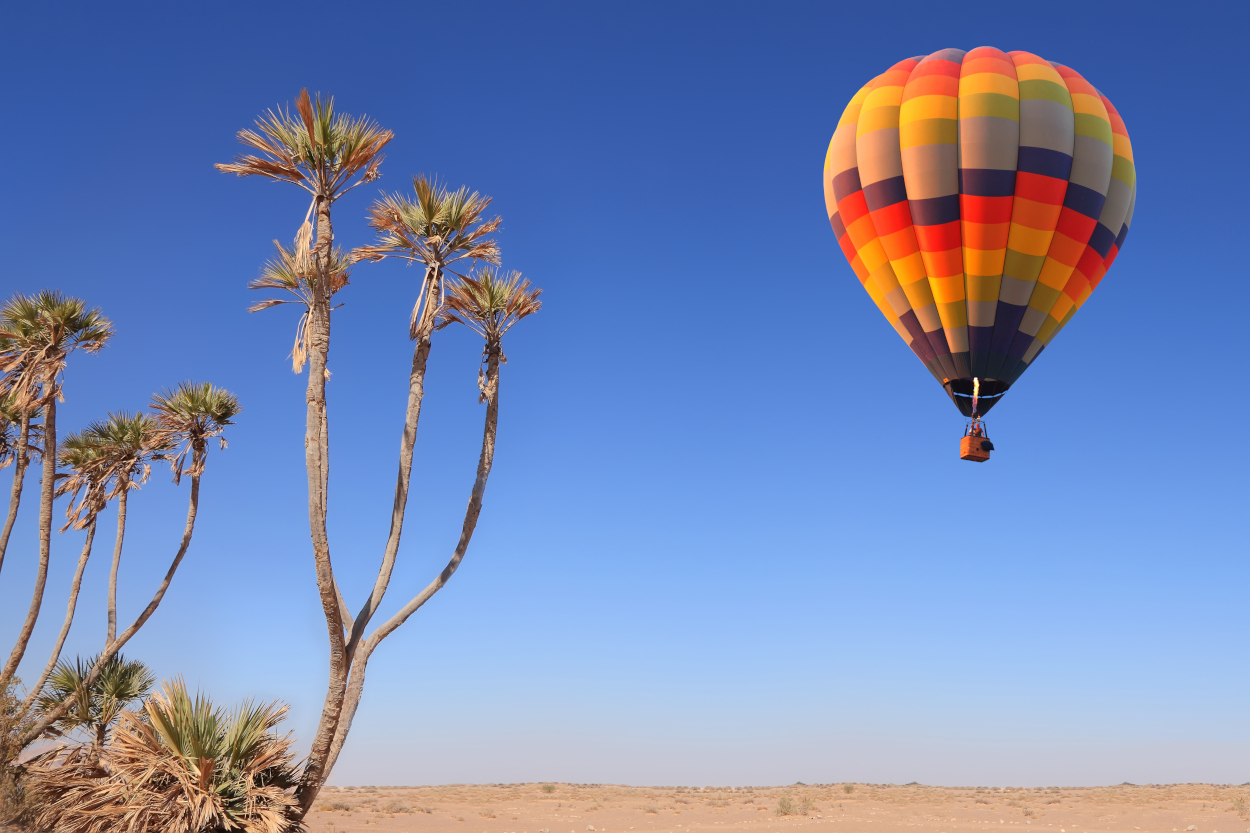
(976, 449)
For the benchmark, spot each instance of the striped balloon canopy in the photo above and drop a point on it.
(980, 197)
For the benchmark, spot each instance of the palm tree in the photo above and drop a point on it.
(490, 304)
(184, 765)
(105, 461)
(37, 334)
(94, 709)
(122, 448)
(20, 445)
(185, 419)
(437, 228)
(326, 154)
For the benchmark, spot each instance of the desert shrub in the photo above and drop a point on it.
(848, 788)
(785, 806)
(397, 807)
(13, 803)
(549, 788)
(340, 806)
(182, 765)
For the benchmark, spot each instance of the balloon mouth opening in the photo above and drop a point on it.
(986, 392)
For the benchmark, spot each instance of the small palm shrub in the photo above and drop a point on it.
(181, 765)
(95, 709)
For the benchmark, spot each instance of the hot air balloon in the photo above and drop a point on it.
(980, 197)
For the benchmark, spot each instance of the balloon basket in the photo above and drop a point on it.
(975, 444)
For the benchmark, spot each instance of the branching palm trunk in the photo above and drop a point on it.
(65, 626)
(47, 487)
(19, 476)
(316, 462)
(407, 442)
(485, 461)
(48, 718)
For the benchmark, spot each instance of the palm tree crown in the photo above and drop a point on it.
(490, 303)
(436, 227)
(316, 149)
(37, 333)
(294, 271)
(108, 456)
(186, 418)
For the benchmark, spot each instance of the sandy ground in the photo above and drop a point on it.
(583, 808)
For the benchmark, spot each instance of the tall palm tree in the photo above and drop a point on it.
(182, 765)
(439, 229)
(20, 445)
(37, 335)
(95, 708)
(327, 154)
(490, 304)
(185, 420)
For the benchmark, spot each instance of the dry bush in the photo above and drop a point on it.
(13, 801)
(182, 766)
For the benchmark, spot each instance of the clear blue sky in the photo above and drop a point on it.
(728, 539)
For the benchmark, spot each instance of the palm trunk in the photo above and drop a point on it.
(315, 459)
(69, 620)
(484, 463)
(407, 442)
(19, 476)
(124, 491)
(45, 539)
(48, 718)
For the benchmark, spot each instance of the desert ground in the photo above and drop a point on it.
(602, 808)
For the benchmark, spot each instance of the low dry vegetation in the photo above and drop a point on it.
(567, 808)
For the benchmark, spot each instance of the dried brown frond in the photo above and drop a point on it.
(295, 271)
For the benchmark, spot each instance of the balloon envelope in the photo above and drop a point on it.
(980, 197)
